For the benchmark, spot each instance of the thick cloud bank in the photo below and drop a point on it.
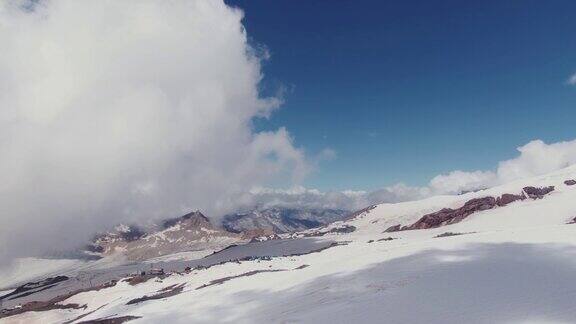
(535, 158)
(123, 110)
(301, 197)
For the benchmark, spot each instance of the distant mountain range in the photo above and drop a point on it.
(191, 232)
(194, 232)
(282, 220)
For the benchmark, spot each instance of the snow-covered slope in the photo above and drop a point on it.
(26, 269)
(506, 264)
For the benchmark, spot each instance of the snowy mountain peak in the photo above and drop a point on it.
(193, 219)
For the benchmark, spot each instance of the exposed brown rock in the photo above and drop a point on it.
(111, 320)
(338, 230)
(193, 219)
(138, 279)
(448, 216)
(343, 229)
(190, 232)
(447, 234)
(54, 303)
(246, 274)
(257, 232)
(394, 228)
(507, 198)
(538, 193)
(162, 293)
(361, 212)
(34, 287)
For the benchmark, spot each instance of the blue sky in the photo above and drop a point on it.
(405, 90)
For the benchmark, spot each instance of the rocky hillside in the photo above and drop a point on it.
(195, 232)
(191, 232)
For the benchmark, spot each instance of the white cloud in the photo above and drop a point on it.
(398, 193)
(122, 110)
(298, 197)
(572, 80)
(535, 158)
(461, 181)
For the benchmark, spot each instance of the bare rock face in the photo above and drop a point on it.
(260, 235)
(394, 228)
(193, 219)
(506, 198)
(191, 232)
(257, 232)
(360, 212)
(570, 182)
(33, 287)
(448, 216)
(343, 230)
(538, 193)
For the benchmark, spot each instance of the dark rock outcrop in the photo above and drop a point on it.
(54, 303)
(570, 182)
(34, 287)
(538, 193)
(162, 293)
(258, 233)
(133, 233)
(507, 198)
(112, 320)
(343, 230)
(338, 230)
(448, 216)
(447, 234)
(361, 212)
(246, 274)
(94, 248)
(195, 219)
(393, 228)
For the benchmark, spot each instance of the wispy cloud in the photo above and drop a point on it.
(571, 80)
